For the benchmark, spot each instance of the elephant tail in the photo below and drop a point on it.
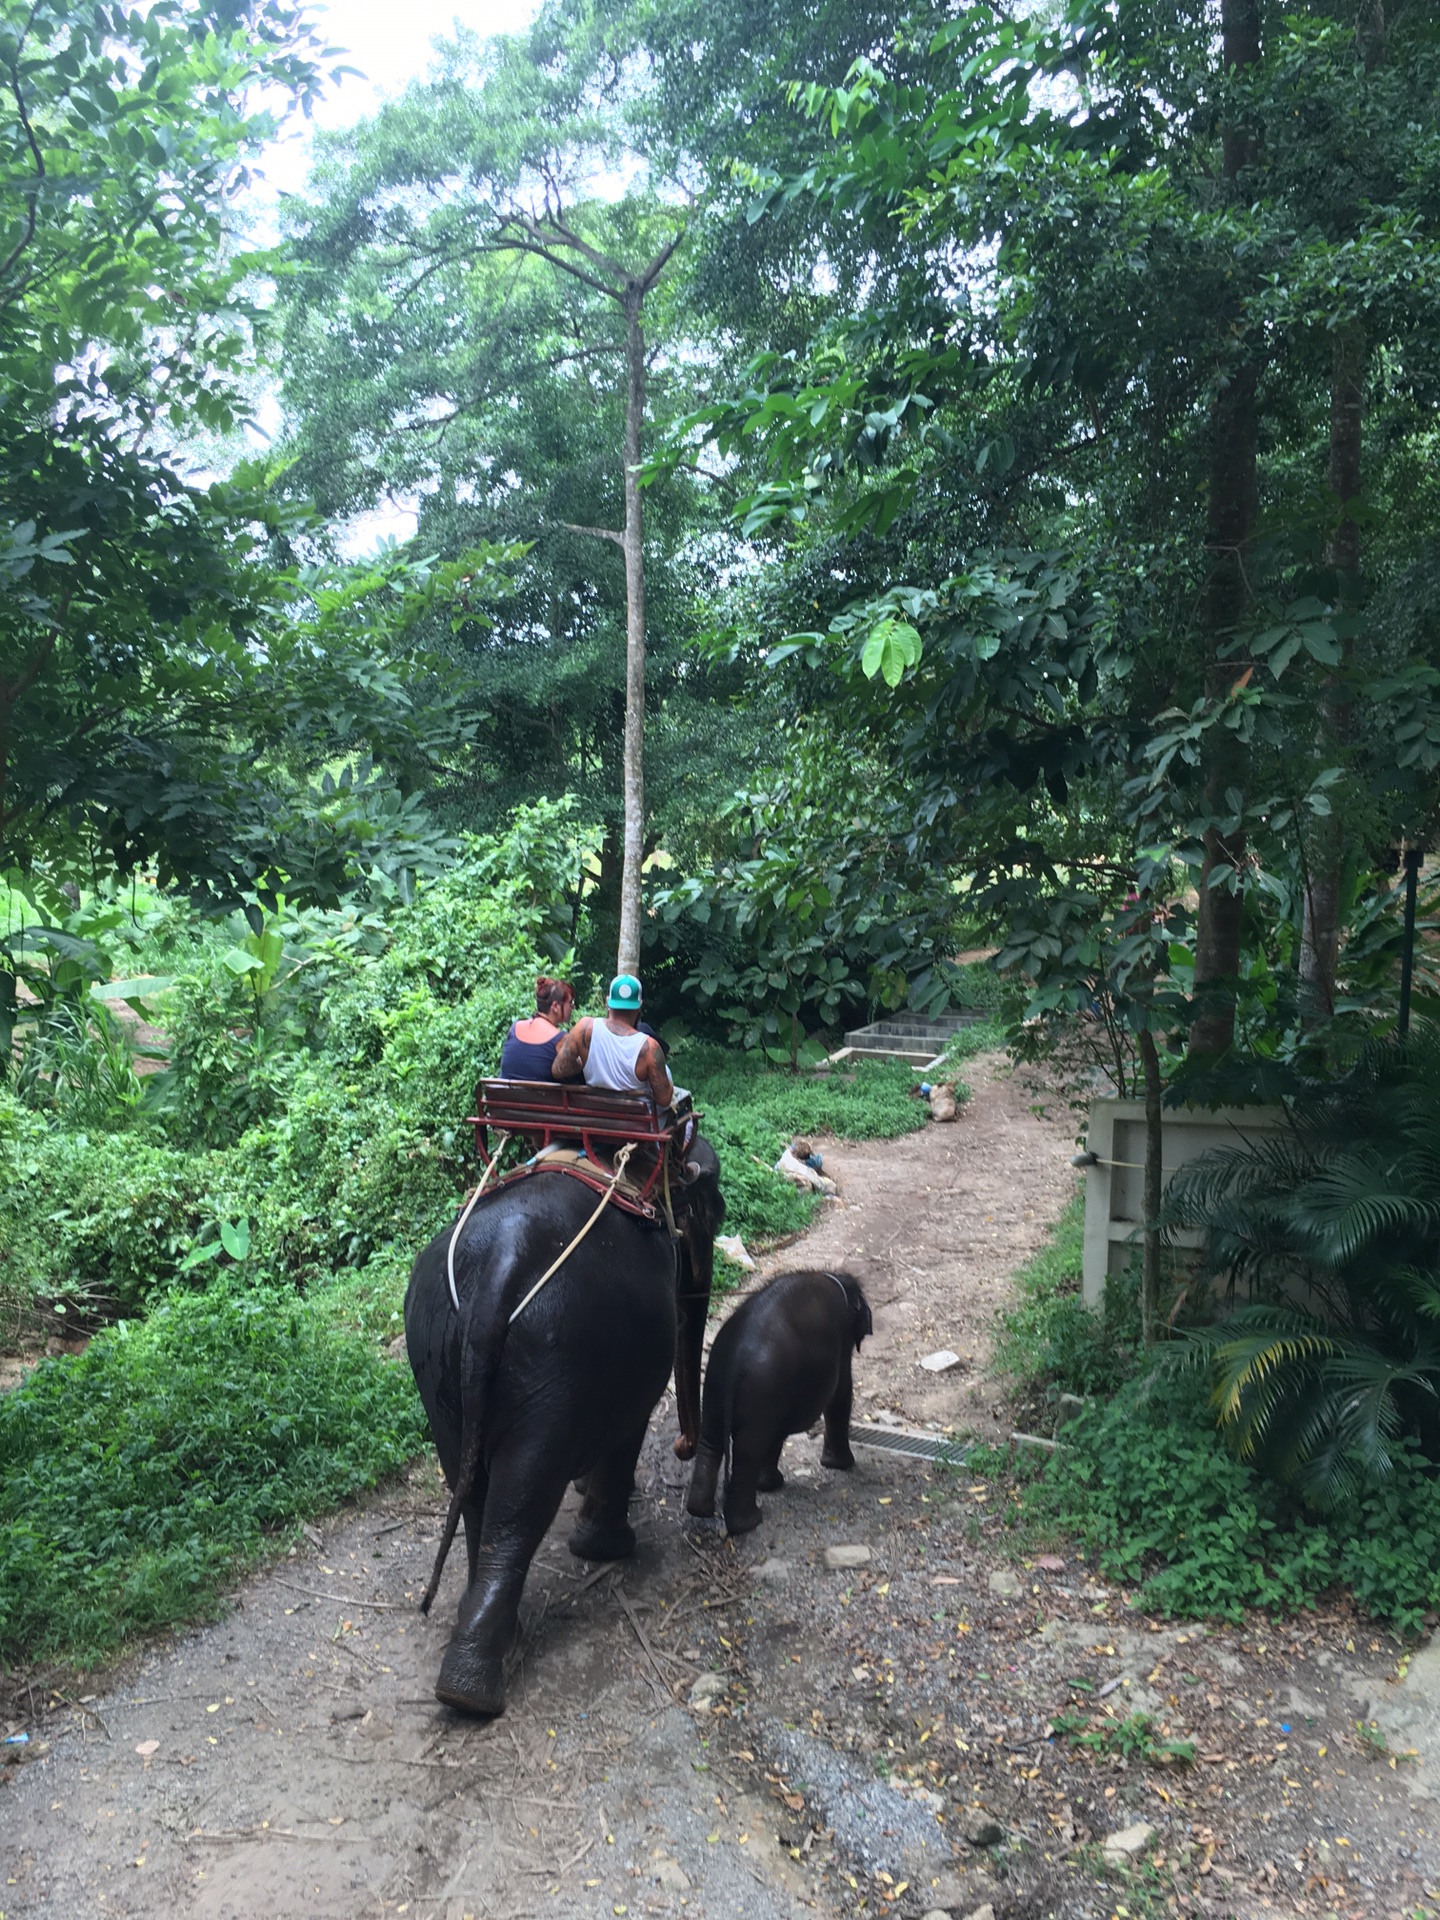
(482, 1337)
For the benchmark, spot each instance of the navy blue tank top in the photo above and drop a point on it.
(528, 1059)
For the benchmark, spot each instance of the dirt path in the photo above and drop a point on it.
(727, 1729)
(934, 1226)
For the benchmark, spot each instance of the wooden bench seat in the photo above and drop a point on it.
(549, 1113)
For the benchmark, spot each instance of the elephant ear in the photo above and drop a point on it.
(863, 1321)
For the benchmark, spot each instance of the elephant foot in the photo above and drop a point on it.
(591, 1541)
(738, 1520)
(771, 1480)
(472, 1684)
(842, 1462)
(684, 1447)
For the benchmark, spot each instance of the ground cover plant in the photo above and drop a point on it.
(1048, 1341)
(1329, 1233)
(138, 1476)
(751, 1115)
(1159, 1504)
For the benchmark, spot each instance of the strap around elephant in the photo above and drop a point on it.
(455, 1234)
(621, 1159)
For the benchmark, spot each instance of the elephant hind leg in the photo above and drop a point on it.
(770, 1479)
(836, 1452)
(522, 1499)
(603, 1531)
(747, 1462)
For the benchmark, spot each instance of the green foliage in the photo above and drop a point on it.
(976, 984)
(229, 1055)
(1132, 1738)
(166, 683)
(985, 1036)
(1020, 475)
(752, 1112)
(1332, 1226)
(816, 912)
(100, 1222)
(1152, 1494)
(1050, 1340)
(138, 1476)
(77, 1065)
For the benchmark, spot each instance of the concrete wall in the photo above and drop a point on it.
(1115, 1188)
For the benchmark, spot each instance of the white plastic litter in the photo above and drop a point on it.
(732, 1247)
(789, 1168)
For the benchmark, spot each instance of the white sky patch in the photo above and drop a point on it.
(391, 46)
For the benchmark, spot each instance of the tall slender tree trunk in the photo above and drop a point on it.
(1230, 525)
(552, 238)
(1154, 1182)
(633, 544)
(1325, 866)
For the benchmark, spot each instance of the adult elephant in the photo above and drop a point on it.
(564, 1392)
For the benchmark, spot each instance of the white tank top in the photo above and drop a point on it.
(611, 1059)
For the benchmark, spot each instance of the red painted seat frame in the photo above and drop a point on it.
(561, 1112)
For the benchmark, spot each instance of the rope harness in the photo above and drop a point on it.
(455, 1235)
(621, 1159)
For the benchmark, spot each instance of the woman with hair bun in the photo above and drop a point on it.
(530, 1046)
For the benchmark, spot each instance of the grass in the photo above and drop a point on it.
(986, 1036)
(1049, 1341)
(751, 1112)
(138, 1477)
(1150, 1495)
(1133, 1737)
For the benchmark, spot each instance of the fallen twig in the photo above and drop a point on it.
(634, 1619)
(342, 1599)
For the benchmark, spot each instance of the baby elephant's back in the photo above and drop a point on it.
(782, 1354)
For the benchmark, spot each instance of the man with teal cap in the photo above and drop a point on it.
(613, 1052)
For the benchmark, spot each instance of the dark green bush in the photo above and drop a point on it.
(1332, 1225)
(976, 984)
(137, 1476)
(1050, 1340)
(1153, 1495)
(102, 1220)
(871, 1100)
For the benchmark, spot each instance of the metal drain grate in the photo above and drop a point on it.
(915, 1446)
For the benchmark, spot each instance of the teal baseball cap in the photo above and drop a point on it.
(624, 993)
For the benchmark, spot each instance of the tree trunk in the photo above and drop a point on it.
(1320, 933)
(9, 1014)
(1230, 524)
(1320, 936)
(627, 958)
(1154, 1176)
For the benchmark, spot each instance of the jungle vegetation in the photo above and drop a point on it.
(886, 481)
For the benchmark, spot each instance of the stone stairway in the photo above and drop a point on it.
(914, 1039)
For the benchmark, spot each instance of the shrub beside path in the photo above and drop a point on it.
(725, 1728)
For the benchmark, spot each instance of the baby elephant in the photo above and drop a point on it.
(779, 1362)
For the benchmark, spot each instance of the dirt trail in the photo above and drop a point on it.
(934, 1226)
(850, 1728)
